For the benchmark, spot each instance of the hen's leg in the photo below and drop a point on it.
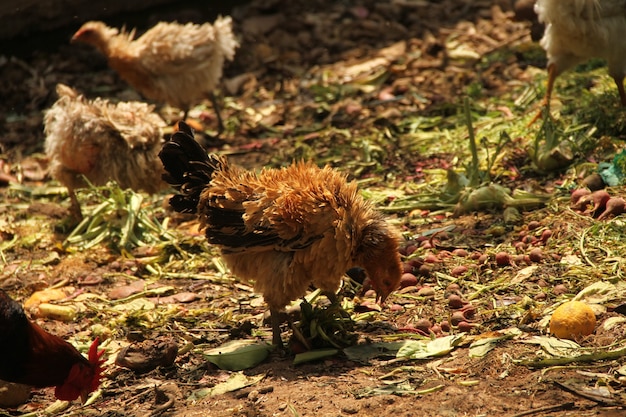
(220, 123)
(275, 319)
(545, 103)
(332, 297)
(75, 211)
(619, 81)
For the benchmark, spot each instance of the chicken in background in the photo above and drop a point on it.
(577, 30)
(34, 357)
(171, 63)
(102, 141)
(282, 228)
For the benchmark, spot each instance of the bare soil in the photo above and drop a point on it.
(283, 99)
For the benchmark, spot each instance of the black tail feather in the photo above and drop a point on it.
(188, 168)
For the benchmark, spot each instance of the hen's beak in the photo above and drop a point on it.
(381, 297)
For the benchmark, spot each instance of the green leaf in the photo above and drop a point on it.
(556, 347)
(424, 349)
(234, 382)
(238, 354)
(314, 355)
(365, 352)
(137, 304)
(482, 346)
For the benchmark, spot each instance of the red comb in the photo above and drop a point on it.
(94, 355)
(96, 361)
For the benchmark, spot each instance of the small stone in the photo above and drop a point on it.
(350, 409)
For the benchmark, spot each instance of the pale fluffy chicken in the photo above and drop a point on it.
(282, 228)
(103, 141)
(170, 63)
(577, 30)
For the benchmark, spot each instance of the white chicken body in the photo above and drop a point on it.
(577, 30)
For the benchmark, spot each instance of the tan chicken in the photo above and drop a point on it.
(170, 63)
(102, 141)
(282, 228)
(577, 30)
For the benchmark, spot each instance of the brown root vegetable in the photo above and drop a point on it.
(424, 270)
(426, 291)
(503, 259)
(534, 224)
(594, 182)
(577, 194)
(408, 280)
(416, 262)
(536, 255)
(431, 258)
(456, 318)
(465, 326)
(423, 325)
(597, 198)
(409, 249)
(519, 247)
(545, 235)
(458, 270)
(445, 325)
(455, 301)
(600, 198)
(614, 206)
(460, 252)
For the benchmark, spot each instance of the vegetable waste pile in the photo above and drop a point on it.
(427, 105)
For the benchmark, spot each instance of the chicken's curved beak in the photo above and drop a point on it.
(76, 36)
(381, 297)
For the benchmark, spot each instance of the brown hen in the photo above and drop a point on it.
(171, 63)
(30, 355)
(282, 228)
(102, 141)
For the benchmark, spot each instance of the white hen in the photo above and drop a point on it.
(577, 30)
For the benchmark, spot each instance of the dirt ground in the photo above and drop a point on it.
(344, 83)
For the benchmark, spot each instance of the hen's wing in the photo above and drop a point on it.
(174, 49)
(134, 122)
(286, 209)
(607, 8)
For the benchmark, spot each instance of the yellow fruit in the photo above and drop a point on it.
(572, 320)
